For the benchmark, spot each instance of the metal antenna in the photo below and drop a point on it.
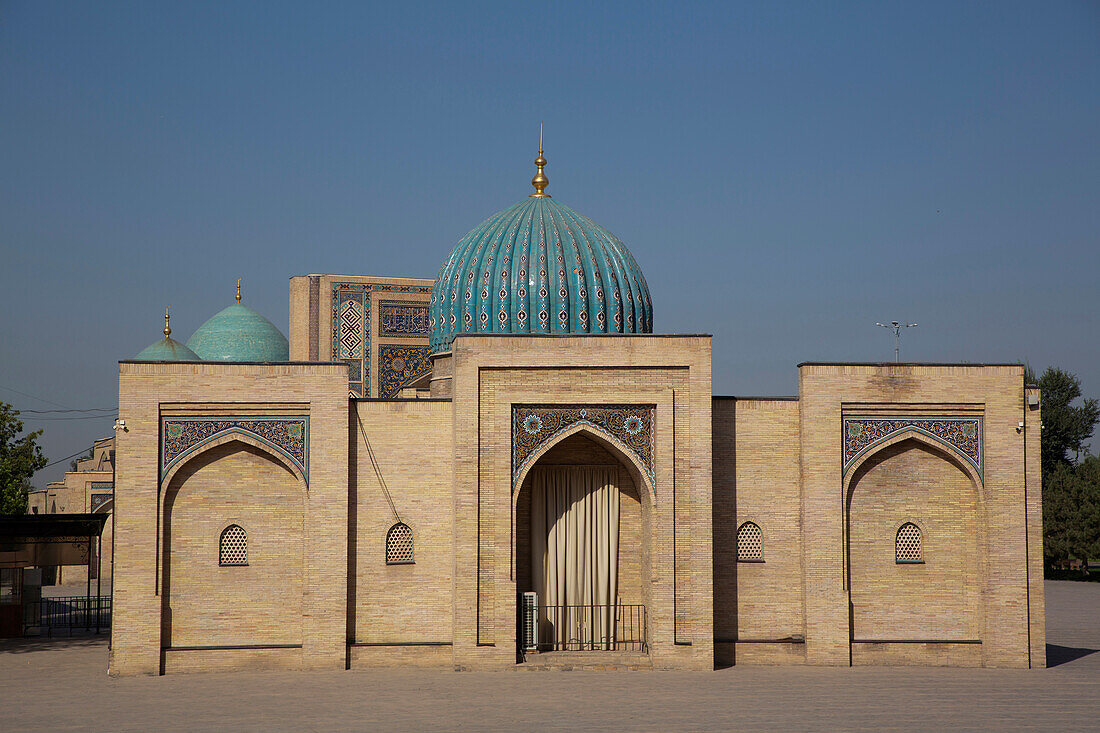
(896, 327)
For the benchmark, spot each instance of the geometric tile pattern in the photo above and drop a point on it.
(397, 365)
(402, 318)
(351, 330)
(98, 500)
(630, 426)
(287, 435)
(907, 545)
(963, 435)
(358, 360)
(750, 543)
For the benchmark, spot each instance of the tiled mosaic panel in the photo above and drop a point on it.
(358, 296)
(403, 318)
(533, 426)
(98, 500)
(397, 365)
(289, 434)
(963, 434)
(351, 330)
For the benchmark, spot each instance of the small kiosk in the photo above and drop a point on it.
(32, 542)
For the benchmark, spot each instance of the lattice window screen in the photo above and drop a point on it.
(750, 543)
(399, 545)
(907, 547)
(234, 546)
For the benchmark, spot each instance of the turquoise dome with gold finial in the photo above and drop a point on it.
(238, 333)
(539, 267)
(167, 348)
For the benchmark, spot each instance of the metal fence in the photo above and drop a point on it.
(67, 615)
(592, 628)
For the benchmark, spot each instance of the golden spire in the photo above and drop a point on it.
(167, 328)
(540, 181)
(238, 290)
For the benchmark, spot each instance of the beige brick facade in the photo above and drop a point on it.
(317, 590)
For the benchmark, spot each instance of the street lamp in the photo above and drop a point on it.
(896, 327)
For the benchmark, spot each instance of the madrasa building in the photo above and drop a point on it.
(506, 468)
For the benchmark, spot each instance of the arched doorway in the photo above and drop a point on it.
(914, 549)
(581, 545)
(222, 588)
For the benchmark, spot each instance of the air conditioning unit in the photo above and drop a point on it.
(529, 621)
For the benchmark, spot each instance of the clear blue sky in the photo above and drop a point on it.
(786, 174)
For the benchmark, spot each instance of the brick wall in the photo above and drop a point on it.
(756, 479)
(401, 613)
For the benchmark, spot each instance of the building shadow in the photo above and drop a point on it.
(56, 643)
(1057, 655)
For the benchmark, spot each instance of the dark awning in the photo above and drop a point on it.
(48, 539)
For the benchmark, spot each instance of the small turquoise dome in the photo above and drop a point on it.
(539, 267)
(239, 333)
(167, 349)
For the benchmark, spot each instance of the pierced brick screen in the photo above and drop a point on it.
(234, 546)
(750, 543)
(399, 545)
(907, 547)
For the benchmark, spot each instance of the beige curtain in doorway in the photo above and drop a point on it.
(575, 555)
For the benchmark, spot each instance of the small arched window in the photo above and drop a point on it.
(399, 545)
(233, 548)
(908, 544)
(750, 543)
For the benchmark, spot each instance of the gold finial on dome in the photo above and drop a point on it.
(238, 290)
(540, 181)
(167, 328)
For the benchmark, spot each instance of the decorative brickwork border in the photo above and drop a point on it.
(962, 435)
(631, 427)
(183, 436)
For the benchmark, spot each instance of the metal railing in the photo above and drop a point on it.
(589, 628)
(69, 614)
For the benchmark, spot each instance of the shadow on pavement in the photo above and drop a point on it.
(57, 643)
(1057, 655)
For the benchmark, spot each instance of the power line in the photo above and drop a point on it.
(82, 417)
(33, 397)
(89, 409)
(62, 460)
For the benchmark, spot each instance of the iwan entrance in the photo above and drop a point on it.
(581, 553)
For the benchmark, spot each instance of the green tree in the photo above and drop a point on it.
(19, 459)
(1066, 426)
(1071, 489)
(1071, 511)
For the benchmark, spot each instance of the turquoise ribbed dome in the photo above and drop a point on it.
(239, 333)
(167, 349)
(539, 267)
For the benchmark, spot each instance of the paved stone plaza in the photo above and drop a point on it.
(62, 684)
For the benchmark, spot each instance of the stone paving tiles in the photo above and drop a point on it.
(62, 685)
